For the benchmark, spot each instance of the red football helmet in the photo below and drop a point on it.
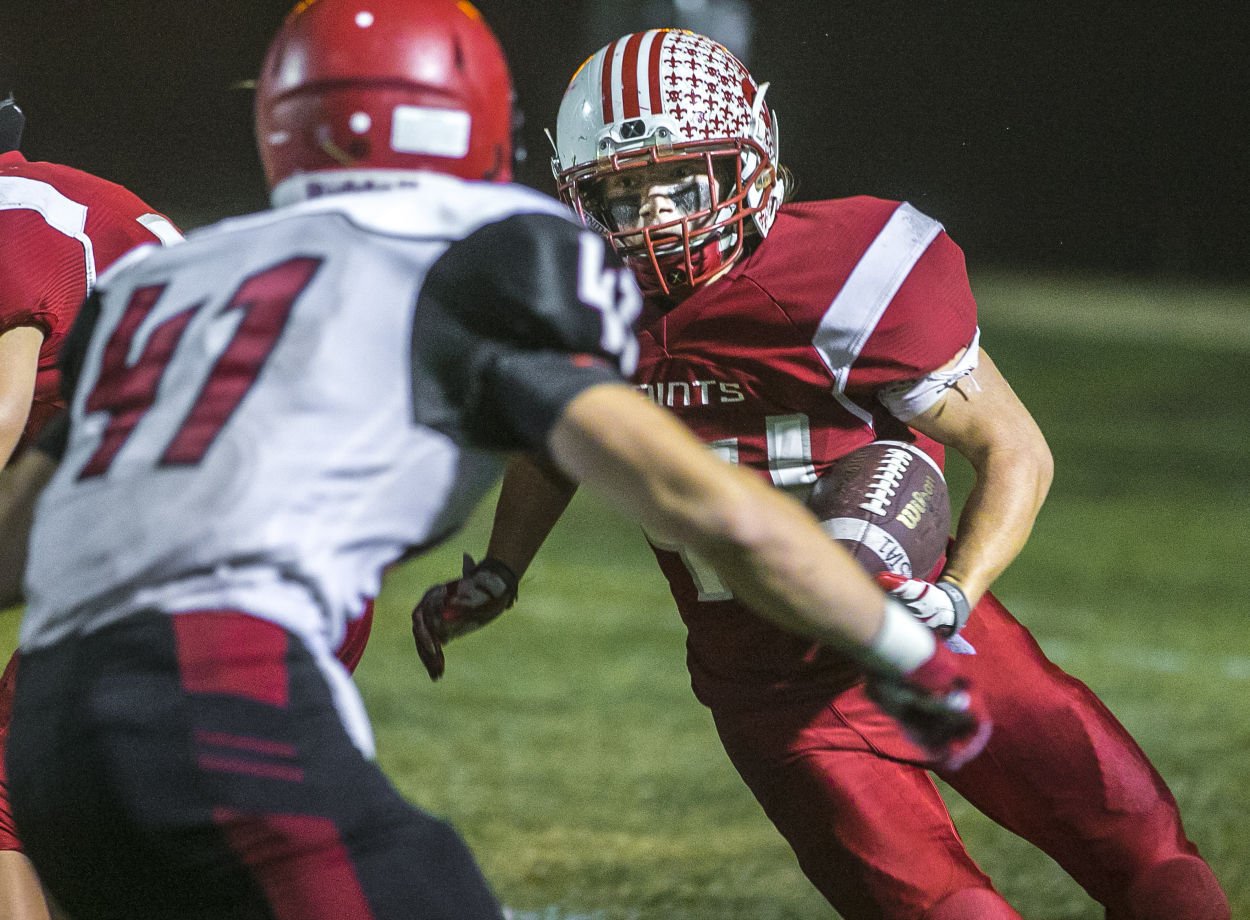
(675, 100)
(385, 85)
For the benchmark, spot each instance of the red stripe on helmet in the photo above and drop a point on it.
(609, 53)
(653, 72)
(629, 76)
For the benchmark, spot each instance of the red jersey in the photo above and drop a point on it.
(59, 228)
(780, 366)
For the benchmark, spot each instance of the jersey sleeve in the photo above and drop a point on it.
(512, 323)
(931, 318)
(42, 274)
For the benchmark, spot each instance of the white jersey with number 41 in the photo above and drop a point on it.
(267, 415)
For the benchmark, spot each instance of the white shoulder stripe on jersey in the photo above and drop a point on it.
(161, 228)
(64, 215)
(872, 284)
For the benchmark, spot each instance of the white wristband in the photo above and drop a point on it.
(903, 643)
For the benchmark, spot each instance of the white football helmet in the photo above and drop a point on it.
(661, 97)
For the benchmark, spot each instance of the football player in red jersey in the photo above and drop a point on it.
(787, 335)
(265, 416)
(59, 228)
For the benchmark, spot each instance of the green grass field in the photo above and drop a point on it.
(564, 741)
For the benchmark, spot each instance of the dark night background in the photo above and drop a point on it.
(1092, 136)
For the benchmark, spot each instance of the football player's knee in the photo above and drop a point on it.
(1183, 886)
(973, 904)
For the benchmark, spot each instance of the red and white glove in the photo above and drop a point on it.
(456, 608)
(938, 709)
(941, 606)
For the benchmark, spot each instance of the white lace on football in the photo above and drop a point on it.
(912, 397)
(885, 480)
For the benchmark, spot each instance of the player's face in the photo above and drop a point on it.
(655, 195)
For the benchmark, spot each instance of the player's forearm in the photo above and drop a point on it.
(998, 516)
(984, 421)
(532, 499)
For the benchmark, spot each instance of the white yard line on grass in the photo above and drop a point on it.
(1149, 658)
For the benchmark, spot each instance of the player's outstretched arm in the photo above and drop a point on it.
(988, 424)
(770, 550)
(20, 487)
(532, 499)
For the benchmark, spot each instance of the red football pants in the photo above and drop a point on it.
(872, 833)
(349, 653)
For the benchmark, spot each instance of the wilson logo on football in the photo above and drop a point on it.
(913, 511)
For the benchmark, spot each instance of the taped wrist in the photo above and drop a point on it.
(497, 578)
(959, 601)
(902, 644)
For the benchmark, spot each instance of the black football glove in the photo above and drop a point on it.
(456, 608)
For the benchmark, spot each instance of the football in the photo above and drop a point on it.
(887, 503)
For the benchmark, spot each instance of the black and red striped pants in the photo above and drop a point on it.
(194, 766)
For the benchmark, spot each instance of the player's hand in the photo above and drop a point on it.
(938, 709)
(456, 608)
(941, 606)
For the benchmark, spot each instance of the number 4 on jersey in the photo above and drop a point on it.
(613, 293)
(127, 388)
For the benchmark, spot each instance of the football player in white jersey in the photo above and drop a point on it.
(265, 416)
